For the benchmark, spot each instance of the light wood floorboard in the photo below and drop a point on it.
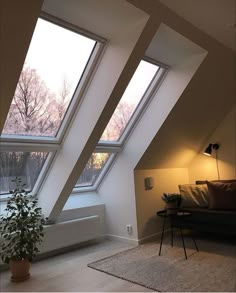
(69, 272)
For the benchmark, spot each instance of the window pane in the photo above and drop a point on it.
(129, 101)
(92, 170)
(26, 165)
(53, 67)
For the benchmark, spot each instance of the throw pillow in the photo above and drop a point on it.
(194, 195)
(222, 195)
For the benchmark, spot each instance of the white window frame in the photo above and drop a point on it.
(52, 145)
(45, 168)
(142, 105)
(116, 147)
(104, 171)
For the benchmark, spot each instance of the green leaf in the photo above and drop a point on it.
(21, 227)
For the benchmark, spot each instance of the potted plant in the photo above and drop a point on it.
(21, 230)
(173, 201)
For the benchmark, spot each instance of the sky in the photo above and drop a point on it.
(139, 82)
(57, 54)
(132, 95)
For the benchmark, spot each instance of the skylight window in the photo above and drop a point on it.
(54, 65)
(129, 102)
(137, 95)
(93, 169)
(57, 69)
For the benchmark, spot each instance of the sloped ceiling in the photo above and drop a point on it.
(17, 22)
(202, 106)
(216, 18)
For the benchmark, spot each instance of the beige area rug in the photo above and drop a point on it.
(211, 269)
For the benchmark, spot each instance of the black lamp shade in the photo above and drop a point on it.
(209, 149)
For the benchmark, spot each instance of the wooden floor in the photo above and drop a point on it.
(69, 272)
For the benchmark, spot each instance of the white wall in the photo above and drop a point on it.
(118, 188)
(204, 167)
(148, 202)
(82, 206)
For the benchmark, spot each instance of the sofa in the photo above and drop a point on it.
(211, 204)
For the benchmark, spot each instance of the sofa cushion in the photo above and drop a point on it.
(222, 195)
(194, 195)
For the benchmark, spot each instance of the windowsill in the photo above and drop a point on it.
(75, 201)
(82, 200)
(79, 190)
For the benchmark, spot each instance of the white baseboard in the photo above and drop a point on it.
(122, 239)
(153, 237)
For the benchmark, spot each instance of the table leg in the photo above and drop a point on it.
(172, 238)
(195, 243)
(182, 236)
(162, 234)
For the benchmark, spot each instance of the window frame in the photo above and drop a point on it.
(43, 172)
(113, 151)
(117, 147)
(141, 106)
(50, 144)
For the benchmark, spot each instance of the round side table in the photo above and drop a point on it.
(177, 220)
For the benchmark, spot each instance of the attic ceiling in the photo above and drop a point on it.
(186, 129)
(216, 18)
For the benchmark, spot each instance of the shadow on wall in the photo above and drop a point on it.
(148, 202)
(147, 232)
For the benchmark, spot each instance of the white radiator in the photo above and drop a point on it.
(72, 232)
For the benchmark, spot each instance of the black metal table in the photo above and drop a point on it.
(177, 220)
